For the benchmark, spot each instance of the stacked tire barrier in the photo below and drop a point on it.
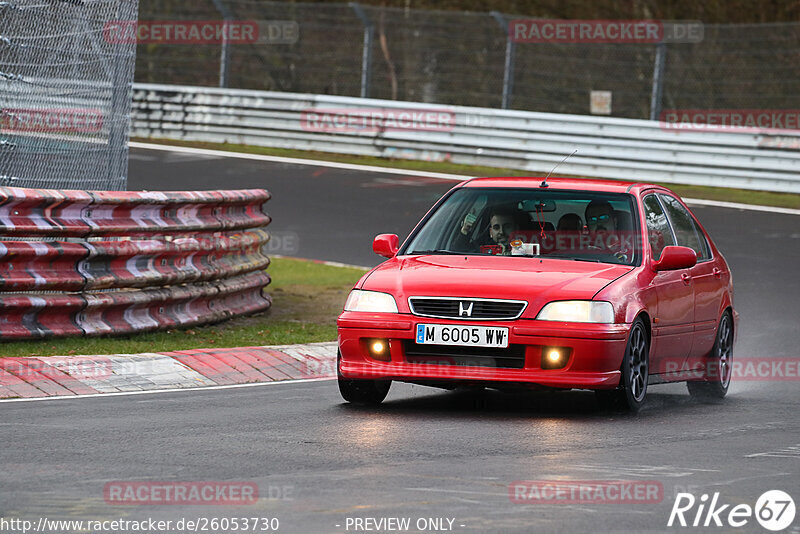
(76, 263)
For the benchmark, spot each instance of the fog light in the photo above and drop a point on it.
(379, 349)
(555, 357)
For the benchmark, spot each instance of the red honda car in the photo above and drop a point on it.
(564, 283)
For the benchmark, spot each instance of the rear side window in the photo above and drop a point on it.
(686, 230)
(658, 231)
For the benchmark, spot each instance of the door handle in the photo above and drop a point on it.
(686, 278)
(717, 272)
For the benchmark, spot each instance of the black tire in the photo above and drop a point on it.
(719, 365)
(364, 392)
(631, 393)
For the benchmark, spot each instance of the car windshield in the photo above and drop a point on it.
(574, 225)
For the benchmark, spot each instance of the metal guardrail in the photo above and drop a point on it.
(126, 262)
(607, 147)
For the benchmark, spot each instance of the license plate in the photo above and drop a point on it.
(465, 336)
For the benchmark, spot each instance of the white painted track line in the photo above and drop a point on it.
(173, 390)
(299, 161)
(738, 206)
(329, 263)
(407, 172)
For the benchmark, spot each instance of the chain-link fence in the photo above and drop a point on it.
(64, 93)
(468, 59)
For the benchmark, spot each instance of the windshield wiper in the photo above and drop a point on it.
(441, 251)
(565, 257)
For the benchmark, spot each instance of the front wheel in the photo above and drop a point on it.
(631, 392)
(365, 392)
(719, 365)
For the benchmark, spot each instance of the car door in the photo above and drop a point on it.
(674, 314)
(708, 291)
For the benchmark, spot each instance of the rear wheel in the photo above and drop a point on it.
(630, 394)
(719, 365)
(366, 392)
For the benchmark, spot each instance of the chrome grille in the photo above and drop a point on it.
(468, 309)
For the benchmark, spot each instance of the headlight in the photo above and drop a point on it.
(578, 311)
(370, 301)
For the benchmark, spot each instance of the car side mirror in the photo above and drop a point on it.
(674, 258)
(386, 245)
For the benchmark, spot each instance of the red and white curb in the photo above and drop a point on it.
(59, 376)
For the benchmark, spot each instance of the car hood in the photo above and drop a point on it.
(535, 280)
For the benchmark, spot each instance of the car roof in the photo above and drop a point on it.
(563, 184)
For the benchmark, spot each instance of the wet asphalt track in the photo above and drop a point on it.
(424, 453)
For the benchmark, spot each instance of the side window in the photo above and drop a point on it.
(686, 230)
(658, 231)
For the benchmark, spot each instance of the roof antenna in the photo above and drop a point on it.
(544, 183)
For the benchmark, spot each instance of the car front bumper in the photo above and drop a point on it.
(595, 352)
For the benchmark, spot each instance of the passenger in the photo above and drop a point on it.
(503, 223)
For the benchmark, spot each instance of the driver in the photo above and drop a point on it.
(600, 217)
(602, 224)
(503, 223)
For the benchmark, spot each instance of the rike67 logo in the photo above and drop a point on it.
(774, 510)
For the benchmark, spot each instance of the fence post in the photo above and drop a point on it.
(366, 56)
(122, 75)
(658, 81)
(225, 55)
(508, 67)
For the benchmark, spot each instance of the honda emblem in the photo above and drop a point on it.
(465, 311)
